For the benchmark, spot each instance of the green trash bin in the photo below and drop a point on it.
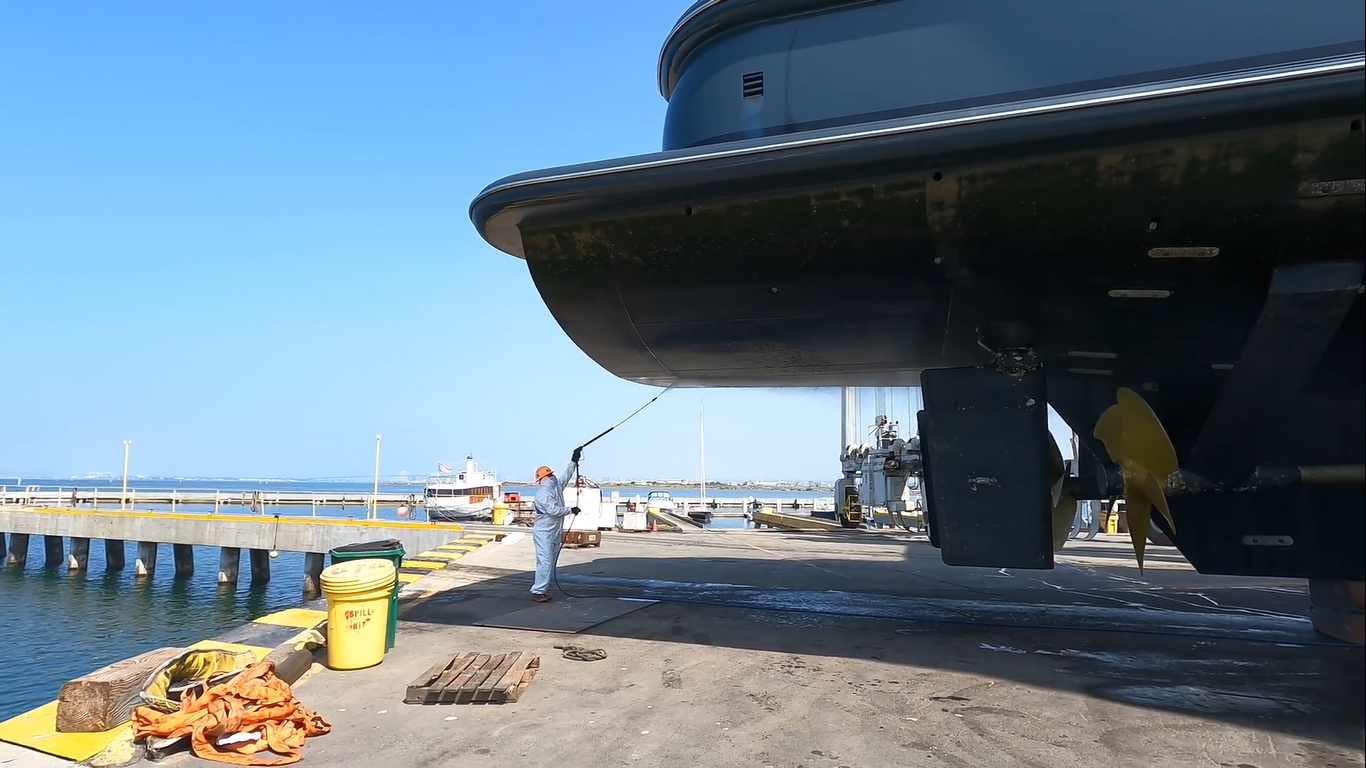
(386, 549)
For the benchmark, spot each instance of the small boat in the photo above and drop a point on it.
(662, 501)
(461, 496)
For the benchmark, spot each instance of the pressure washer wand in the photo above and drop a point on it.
(603, 433)
(578, 489)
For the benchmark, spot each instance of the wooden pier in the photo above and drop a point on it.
(96, 498)
(260, 535)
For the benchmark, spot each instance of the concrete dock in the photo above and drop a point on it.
(861, 649)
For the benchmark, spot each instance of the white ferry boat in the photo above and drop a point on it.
(461, 494)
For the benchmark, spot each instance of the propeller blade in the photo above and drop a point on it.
(1135, 440)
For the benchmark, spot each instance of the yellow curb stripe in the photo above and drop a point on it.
(430, 566)
(442, 555)
(299, 618)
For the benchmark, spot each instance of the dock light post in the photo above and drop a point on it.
(374, 497)
(123, 497)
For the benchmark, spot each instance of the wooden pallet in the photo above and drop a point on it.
(575, 539)
(474, 678)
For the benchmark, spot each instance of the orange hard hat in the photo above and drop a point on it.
(542, 472)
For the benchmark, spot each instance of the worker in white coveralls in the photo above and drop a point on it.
(548, 530)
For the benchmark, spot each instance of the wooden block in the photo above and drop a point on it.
(582, 538)
(105, 698)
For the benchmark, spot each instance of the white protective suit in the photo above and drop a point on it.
(548, 530)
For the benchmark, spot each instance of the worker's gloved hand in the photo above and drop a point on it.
(573, 510)
(578, 454)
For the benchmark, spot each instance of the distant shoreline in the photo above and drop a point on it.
(140, 481)
(642, 486)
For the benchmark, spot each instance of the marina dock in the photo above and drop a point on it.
(792, 522)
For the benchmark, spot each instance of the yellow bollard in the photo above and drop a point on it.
(357, 593)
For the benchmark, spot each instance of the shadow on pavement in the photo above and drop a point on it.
(1219, 650)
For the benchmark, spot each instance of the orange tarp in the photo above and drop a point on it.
(255, 701)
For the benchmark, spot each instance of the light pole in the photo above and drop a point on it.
(374, 497)
(701, 456)
(123, 496)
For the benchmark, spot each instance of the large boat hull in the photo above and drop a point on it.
(865, 260)
(1164, 226)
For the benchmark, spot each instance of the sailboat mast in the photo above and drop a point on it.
(701, 456)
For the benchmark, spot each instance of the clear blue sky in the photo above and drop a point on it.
(236, 234)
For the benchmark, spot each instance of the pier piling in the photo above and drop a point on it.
(260, 566)
(80, 554)
(313, 572)
(114, 558)
(146, 531)
(184, 560)
(146, 564)
(18, 551)
(229, 558)
(54, 551)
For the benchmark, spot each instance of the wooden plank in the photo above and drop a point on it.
(471, 686)
(513, 675)
(450, 690)
(434, 690)
(417, 689)
(105, 698)
(484, 691)
(514, 693)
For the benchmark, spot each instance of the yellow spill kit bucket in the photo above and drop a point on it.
(500, 514)
(357, 593)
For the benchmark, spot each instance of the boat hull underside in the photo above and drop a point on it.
(872, 277)
(868, 283)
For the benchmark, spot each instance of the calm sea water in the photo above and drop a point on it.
(59, 625)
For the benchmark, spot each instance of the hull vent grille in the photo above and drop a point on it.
(752, 85)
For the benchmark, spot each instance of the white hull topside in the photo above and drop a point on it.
(464, 494)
